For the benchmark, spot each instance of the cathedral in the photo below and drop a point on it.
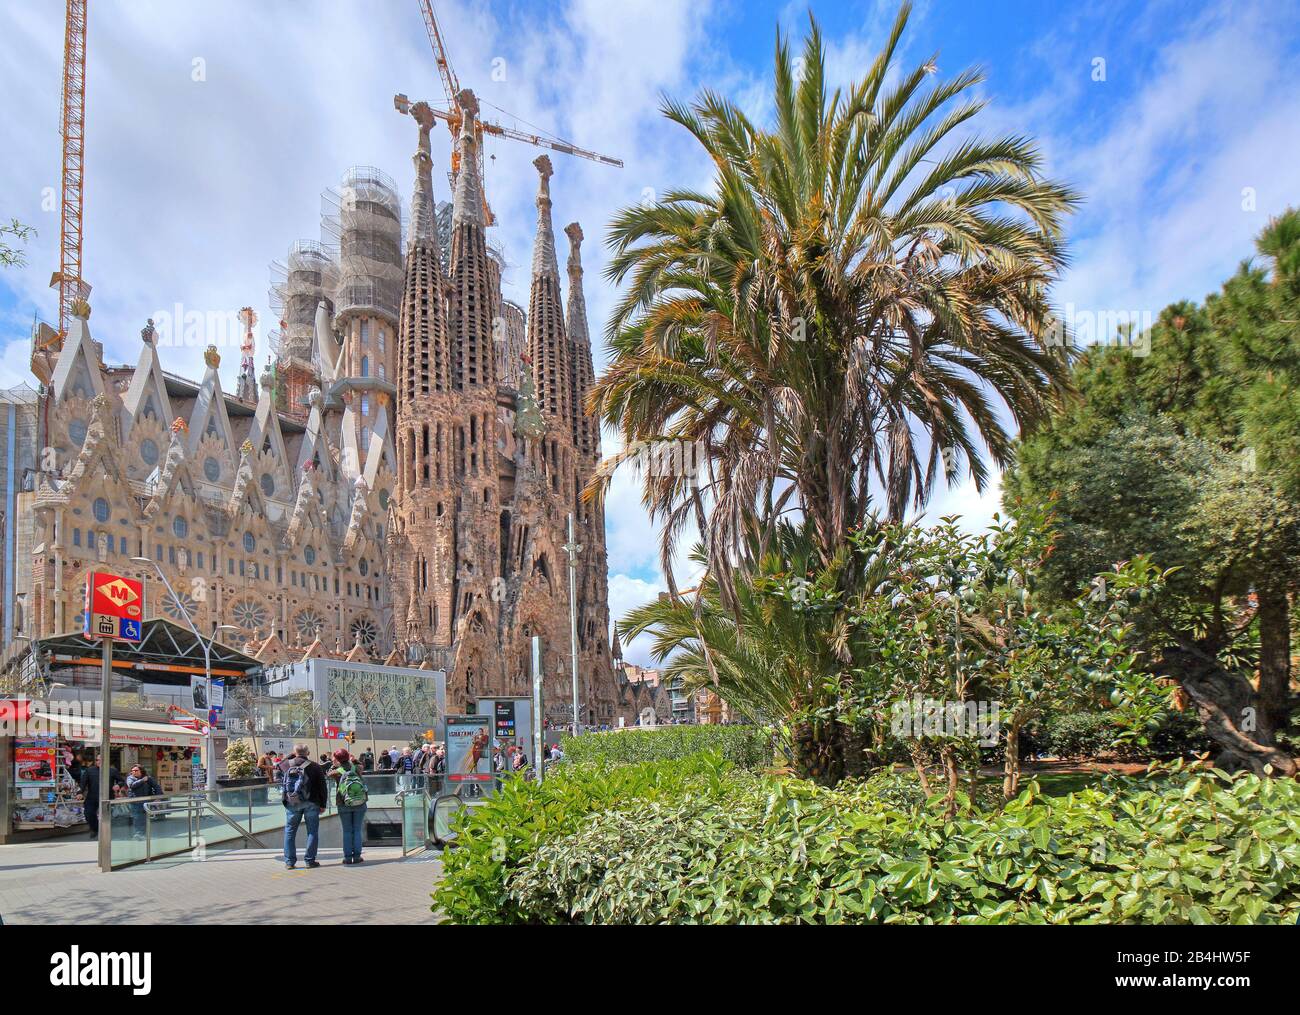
(396, 484)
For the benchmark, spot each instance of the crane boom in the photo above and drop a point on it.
(451, 116)
(68, 278)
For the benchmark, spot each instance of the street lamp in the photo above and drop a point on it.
(209, 748)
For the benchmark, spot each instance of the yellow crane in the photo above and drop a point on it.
(451, 115)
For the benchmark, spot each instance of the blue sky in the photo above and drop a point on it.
(212, 130)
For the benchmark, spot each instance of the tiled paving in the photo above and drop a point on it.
(57, 881)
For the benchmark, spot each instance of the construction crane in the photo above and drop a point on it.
(452, 117)
(72, 287)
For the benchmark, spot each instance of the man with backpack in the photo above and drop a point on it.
(351, 796)
(303, 797)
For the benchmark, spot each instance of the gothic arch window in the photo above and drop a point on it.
(365, 366)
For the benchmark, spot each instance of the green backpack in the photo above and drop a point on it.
(352, 788)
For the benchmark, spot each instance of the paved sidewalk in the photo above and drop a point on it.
(57, 881)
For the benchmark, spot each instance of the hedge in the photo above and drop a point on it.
(747, 747)
(711, 844)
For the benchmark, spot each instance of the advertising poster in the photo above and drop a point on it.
(34, 762)
(469, 739)
(505, 718)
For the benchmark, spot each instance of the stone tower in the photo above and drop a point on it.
(493, 453)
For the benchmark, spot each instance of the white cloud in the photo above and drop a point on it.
(626, 593)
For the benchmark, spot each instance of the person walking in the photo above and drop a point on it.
(367, 760)
(140, 783)
(351, 796)
(303, 798)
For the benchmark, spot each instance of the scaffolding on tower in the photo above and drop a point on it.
(363, 219)
(307, 277)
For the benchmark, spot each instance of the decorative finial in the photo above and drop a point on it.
(246, 448)
(179, 426)
(148, 333)
(211, 357)
(80, 309)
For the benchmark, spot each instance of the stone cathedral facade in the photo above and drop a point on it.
(394, 486)
(493, 452)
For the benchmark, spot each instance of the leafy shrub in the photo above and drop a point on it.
(1092, 735)
(1188, 848)
(900, 789)
(497, 836)
(1073, 735)
(743, 746)
(241, 763)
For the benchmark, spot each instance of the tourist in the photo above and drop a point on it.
(521, 759)
(406, 769)
(394, 754)
(266, 766)
(90, 792)
(303, 797)
(439, 759)
(351, 797)
(385, 761)
(367, 760)
(140, 783)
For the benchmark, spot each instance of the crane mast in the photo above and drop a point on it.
(68, 280)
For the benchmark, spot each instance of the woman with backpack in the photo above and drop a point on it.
(351, 797)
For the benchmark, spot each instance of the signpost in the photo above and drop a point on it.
(114, 611)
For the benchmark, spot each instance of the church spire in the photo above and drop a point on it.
(424, 218)
(547, 343)
(468, 203)
(544, 243)
(586, 432)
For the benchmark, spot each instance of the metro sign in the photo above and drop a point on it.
(114, 607)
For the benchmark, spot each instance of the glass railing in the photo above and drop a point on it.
(415, 820)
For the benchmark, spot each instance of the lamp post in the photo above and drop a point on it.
(573, 548)
(209, 747)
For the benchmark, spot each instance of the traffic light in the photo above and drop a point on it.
(352, 737)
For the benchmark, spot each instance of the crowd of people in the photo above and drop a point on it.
(305, 784)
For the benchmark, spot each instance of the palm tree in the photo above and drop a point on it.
(847, 312)
(781, 655)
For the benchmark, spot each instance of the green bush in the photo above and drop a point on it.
(1072, 735)
(1092, 735)
(1187, 848)
(497, 836)
(744, 746)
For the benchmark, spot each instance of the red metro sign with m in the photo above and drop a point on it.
(114, 607)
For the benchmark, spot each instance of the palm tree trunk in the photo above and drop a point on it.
(819, 751)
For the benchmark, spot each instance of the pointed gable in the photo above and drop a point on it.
(209, 416)
(77, 373)
(146, 397)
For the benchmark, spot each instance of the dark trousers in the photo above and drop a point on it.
(92, 816)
